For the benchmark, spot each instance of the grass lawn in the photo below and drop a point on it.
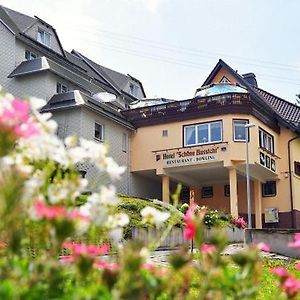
(268, 288)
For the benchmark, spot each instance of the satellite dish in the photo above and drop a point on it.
(104, 97)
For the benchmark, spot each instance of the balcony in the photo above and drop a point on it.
(189, 109)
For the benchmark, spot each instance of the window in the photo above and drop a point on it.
(266, 141)
(203, 133)
(98, 132)
(269, 189)
(297, 167)
(44, 37)
(227, 190)
(61, 88)
(224, 80)
(124, 142)
(133, 89)
(239, 130)
(165, 133)
(207, 192)
(30, 55)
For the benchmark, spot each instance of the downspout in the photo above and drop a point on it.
(290, 180)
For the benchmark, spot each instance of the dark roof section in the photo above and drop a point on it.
(98, 70)
(5, 18)
(20, 20)
(289, 111)
(77, 98)
(117, 79)
(276, 106)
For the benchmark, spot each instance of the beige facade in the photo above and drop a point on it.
(219, 168)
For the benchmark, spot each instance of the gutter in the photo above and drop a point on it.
(290, 181)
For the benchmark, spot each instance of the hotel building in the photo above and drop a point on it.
(201, 143)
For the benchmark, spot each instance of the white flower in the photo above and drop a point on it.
(71, 141)
(37, 103)
(108, 195)
(118, 220)
(97, 213)
(116, 235)
(113, 169)
(57, 193)
(154, 216)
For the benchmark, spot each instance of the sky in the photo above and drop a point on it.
(172, 45)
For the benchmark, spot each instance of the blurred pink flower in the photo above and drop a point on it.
(291, 286)
(49, 212)
(296, 243)
(81, 249)
(297, 266)
(207, 248)
(107, 265)
(15, 117)
(281, 272)
(57, 211)
(188, 217)
(263, 246)
(189, 231)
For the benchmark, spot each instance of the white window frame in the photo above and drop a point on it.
(60, 87)
(266, 141)
(101, 139)
(209, 141)
(133, 88)
(125, 142)
(41, 37)
(31, 55)
(242, 122)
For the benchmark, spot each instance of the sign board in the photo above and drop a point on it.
(187, 157)
(271, 215)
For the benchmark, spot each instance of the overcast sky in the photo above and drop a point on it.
(172, 45)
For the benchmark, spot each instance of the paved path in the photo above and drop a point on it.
(161, 256)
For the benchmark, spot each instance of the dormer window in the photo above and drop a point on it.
(61, 88)
(44, 37)
(30, 55)
(133, 89)
(224, 80)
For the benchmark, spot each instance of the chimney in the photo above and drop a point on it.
(250, 78)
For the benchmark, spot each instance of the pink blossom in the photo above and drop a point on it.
(208, 248)
(79, 249)
(291, 286)
(66, 258)
(297, 266)
(263, 246)
(239, 222)
(15, 118)
(190, 213)
(107, 265)
(281, 272)
(158, 270)
(57, 212)
(49, 212)
(189, 231)
(296, 243)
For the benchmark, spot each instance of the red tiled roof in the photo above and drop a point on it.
(287, 110)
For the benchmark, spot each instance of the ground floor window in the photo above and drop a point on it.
(207, 192)
(269, 189)
(227, 190)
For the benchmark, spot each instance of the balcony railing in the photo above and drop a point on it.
(180, 110)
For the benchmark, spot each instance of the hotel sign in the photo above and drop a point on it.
(187, 157)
